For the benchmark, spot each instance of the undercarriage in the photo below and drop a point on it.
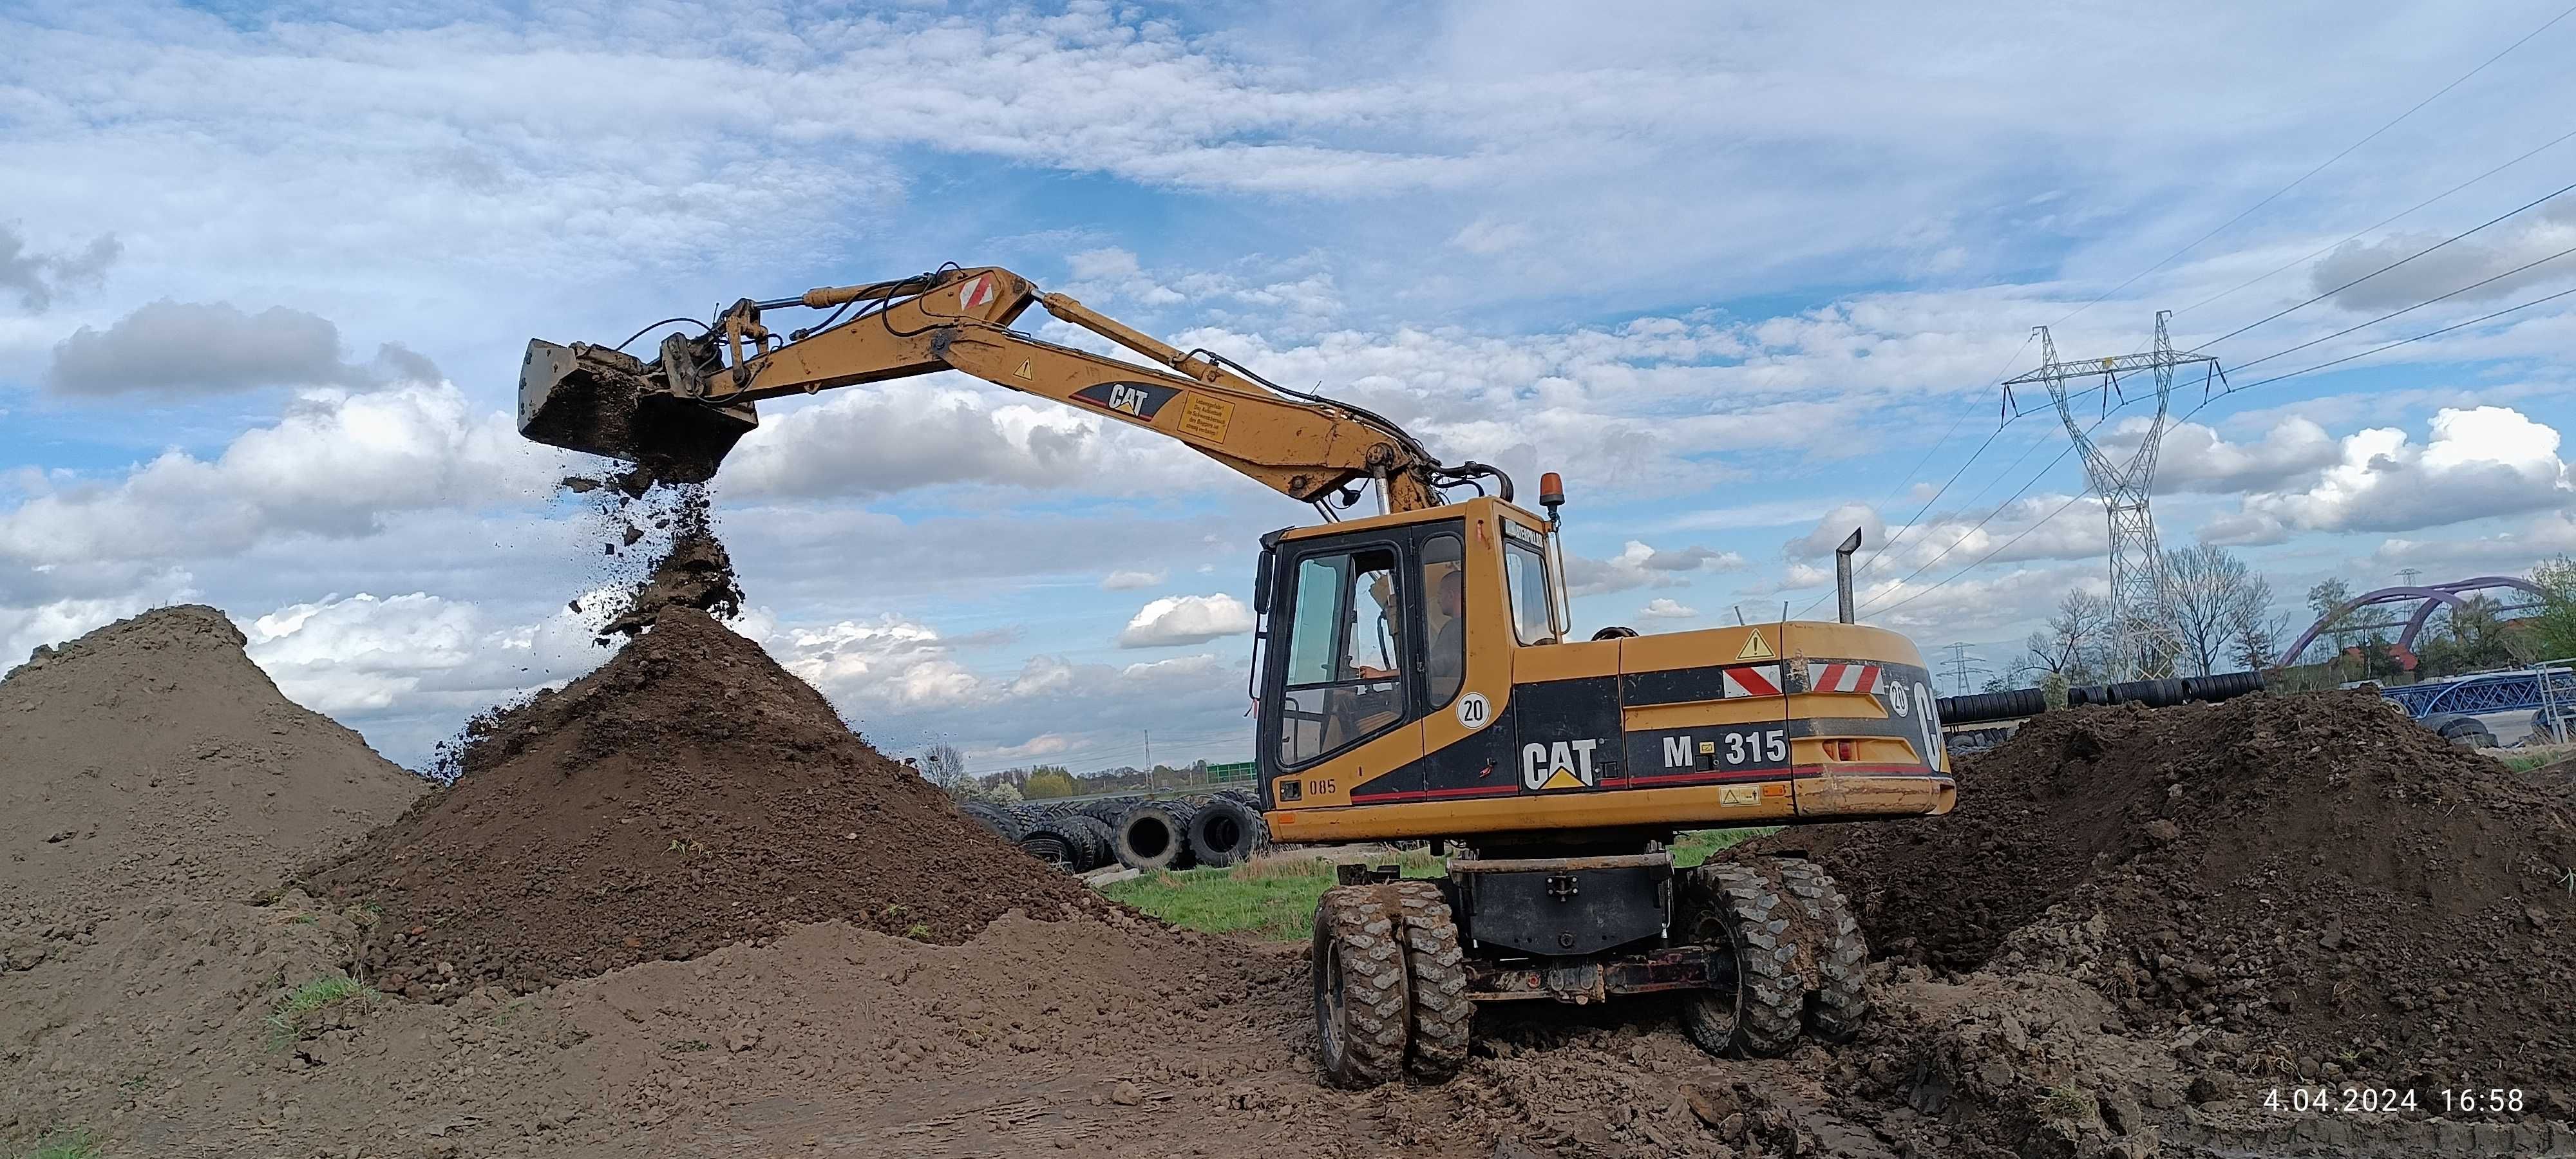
(1765, 951)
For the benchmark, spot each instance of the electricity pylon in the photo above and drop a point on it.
(2143, 643)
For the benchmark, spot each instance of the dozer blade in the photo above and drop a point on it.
(604, 402)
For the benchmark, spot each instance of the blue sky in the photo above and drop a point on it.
(268, 272)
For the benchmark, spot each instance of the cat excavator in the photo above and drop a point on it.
(1415, 677)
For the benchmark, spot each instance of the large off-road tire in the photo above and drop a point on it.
(1053, 846)
(1226, 832)
(1361, 990)
(1155, 835)
(1099, 841)
(1442, 1016)
(1730, 905)
(1004, 823)
(1107, 811)
(1837, 980)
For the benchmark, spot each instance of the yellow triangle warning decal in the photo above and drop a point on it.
(1563, 779)
(1025, 370)
(1755, 648)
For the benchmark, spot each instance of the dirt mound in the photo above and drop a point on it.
(687, 795)
(151, 757)
(2333, 888)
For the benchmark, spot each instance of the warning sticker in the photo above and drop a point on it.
(1756, 648)
(1738, 795)
(1206, 418)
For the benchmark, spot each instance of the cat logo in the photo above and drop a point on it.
(1136, 400)
(1563, 765)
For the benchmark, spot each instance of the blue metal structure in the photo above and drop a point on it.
(2515, 691)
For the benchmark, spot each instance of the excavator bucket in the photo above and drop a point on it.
(604, 402)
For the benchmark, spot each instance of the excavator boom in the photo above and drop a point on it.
(680, 414)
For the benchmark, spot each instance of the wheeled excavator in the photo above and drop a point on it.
(1415, 678)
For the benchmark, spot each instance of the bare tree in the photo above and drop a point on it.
(942, 765)
(2211, 597)
(2070, 647)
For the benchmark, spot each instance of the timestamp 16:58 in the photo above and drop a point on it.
(2390, 1100)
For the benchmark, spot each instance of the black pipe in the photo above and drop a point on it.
(1980, 707)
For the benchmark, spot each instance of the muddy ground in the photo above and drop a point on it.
(658, 915)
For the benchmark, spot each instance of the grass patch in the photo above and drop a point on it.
(1274, 899)
(918, 931)
(312, 996)
(66, 1145)
(2071, 1103)
(2525, 762)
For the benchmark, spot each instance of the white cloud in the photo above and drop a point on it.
(2479, 462)
(1665, 609)
(2194, 457)
(1128, 581)
(334, 465)
(877, 440)
(183, 348)
(1185, 620)
(1638, 565)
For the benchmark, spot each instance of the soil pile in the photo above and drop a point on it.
(2315, 883)
(151, 757)
(687, 795)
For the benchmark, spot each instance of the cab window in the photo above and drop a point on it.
(1345, 682)
(1444, 584)
(1525, 575)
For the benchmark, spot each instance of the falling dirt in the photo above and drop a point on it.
(687, 795)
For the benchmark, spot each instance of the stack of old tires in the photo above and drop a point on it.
(1176, 833)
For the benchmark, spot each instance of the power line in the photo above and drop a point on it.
(2392, 265)
(2330, 247)
(2321, 167)
(2410, 309)
(2204, 404)
(1917, 469)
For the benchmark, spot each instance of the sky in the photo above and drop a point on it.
(1747, 277)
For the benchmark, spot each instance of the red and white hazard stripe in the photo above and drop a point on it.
(1846, 678)
(976, 293)
(1755, 680)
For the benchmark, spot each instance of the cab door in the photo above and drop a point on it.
(1355, 651)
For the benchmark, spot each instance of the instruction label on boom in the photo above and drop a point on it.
(1206, 418)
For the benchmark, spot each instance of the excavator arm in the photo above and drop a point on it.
(680, 414)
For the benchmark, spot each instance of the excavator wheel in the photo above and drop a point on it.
(1442, 1017)
(1361, 990)
(1730, 905)
(1838, 998)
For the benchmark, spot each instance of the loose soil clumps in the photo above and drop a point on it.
(151, 758)
(687, 795)
(2309, 886)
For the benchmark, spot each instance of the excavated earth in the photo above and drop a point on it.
(678, 908)
(687, 795)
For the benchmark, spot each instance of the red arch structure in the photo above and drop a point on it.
(2429, 597)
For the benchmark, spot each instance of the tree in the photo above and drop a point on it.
(2324, 599)
(2470, 638)
(942, 765)
(2553, 628)
(2211, 597)
(1047, 781)
(2258, 639)
(2071, 647)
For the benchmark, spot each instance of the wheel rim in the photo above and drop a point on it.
(1723, 1010)
(1328, 1001)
